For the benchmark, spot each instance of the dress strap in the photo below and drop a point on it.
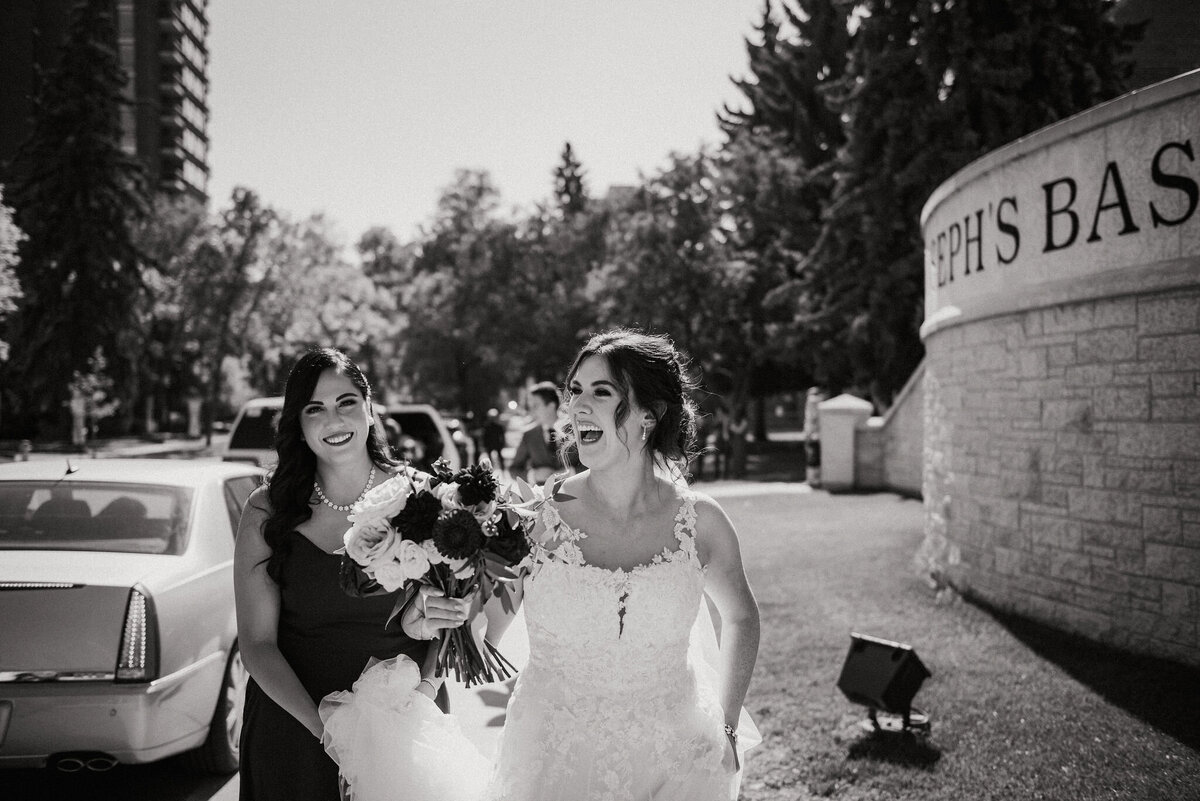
(559, 539)
(685, 525)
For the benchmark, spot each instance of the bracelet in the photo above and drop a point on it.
(432, 686)
(731, 733)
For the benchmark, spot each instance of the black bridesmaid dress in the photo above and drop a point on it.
(327, 637)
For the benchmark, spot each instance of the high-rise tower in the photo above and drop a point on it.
(162, 45)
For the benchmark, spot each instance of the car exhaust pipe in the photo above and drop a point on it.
(74, 762)
(102, 763)
(68, 764)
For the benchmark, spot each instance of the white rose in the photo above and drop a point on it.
(448, 495)
(412, 558)
(383, 502)
(389, 573)
(432, 553)
(366, 542)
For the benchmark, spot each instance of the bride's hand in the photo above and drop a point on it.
(432, 612)
(730, 761)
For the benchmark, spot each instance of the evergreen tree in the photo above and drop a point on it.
(776, 184)
(78, 197)
(930, 86)
(788, 70)
(569, 189)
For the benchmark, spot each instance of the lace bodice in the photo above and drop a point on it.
(613, 627)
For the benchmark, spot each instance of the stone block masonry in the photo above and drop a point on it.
(1097, 506)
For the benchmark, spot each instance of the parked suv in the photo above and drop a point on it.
(252, 435)
(425, 424)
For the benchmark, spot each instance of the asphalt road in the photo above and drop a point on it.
(481, 711)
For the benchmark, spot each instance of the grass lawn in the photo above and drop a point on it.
(1018, 711)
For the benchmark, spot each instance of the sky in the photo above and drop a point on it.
(364, 109)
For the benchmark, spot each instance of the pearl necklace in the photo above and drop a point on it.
(349, 506)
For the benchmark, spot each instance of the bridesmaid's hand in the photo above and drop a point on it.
(432, 612)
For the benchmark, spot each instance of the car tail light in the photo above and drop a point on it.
(138, 660)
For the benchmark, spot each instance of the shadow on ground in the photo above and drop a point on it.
(1164, 694)
(897, 749)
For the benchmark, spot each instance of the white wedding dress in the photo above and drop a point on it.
(617, 702)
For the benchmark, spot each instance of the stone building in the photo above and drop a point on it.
(1062, 375)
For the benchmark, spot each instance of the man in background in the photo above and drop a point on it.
(536, 458)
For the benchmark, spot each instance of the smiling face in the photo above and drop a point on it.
(336, 420)
(596, 400)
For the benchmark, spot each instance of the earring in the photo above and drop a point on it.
(644, 430)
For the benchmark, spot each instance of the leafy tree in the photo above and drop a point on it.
(451, 349)
(179, 242)
(769, 216)
(569, 190)
(230, 276)
(10, 288)
(314, 297)
(78, 197)
(666, 265)
(558, 257)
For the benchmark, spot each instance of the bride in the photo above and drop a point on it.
(625, 694)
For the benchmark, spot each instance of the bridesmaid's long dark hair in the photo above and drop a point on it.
(290, 487)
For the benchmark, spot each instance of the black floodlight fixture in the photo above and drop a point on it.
(883, 676)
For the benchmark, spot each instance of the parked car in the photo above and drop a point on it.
(425, 424)
(252, 435)
(118, 639)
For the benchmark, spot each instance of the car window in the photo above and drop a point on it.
(255, 430)
(94, 516)
(237, 491)
(421, 426)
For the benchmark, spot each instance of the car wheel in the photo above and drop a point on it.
(220, 752)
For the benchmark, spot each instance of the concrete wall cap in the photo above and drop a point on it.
(845, 403)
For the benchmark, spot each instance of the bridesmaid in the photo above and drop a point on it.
(300, 635)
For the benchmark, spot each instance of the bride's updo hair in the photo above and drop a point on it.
(649, 369)
(290, 485)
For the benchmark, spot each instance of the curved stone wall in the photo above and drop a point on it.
(1062, 385)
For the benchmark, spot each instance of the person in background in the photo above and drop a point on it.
(739, 425)
(720, 443)
(537, 456)
(493, 439)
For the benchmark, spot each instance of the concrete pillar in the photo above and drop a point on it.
(839, 417)
(193, 409)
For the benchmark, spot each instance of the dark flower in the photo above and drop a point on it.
(416, 520)
(441, 472)
(354, 581)
(510, 544)
(476, 484)
(457, 534)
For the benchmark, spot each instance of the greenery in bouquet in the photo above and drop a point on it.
(459, 532)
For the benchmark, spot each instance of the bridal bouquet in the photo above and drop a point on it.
(458, 532)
